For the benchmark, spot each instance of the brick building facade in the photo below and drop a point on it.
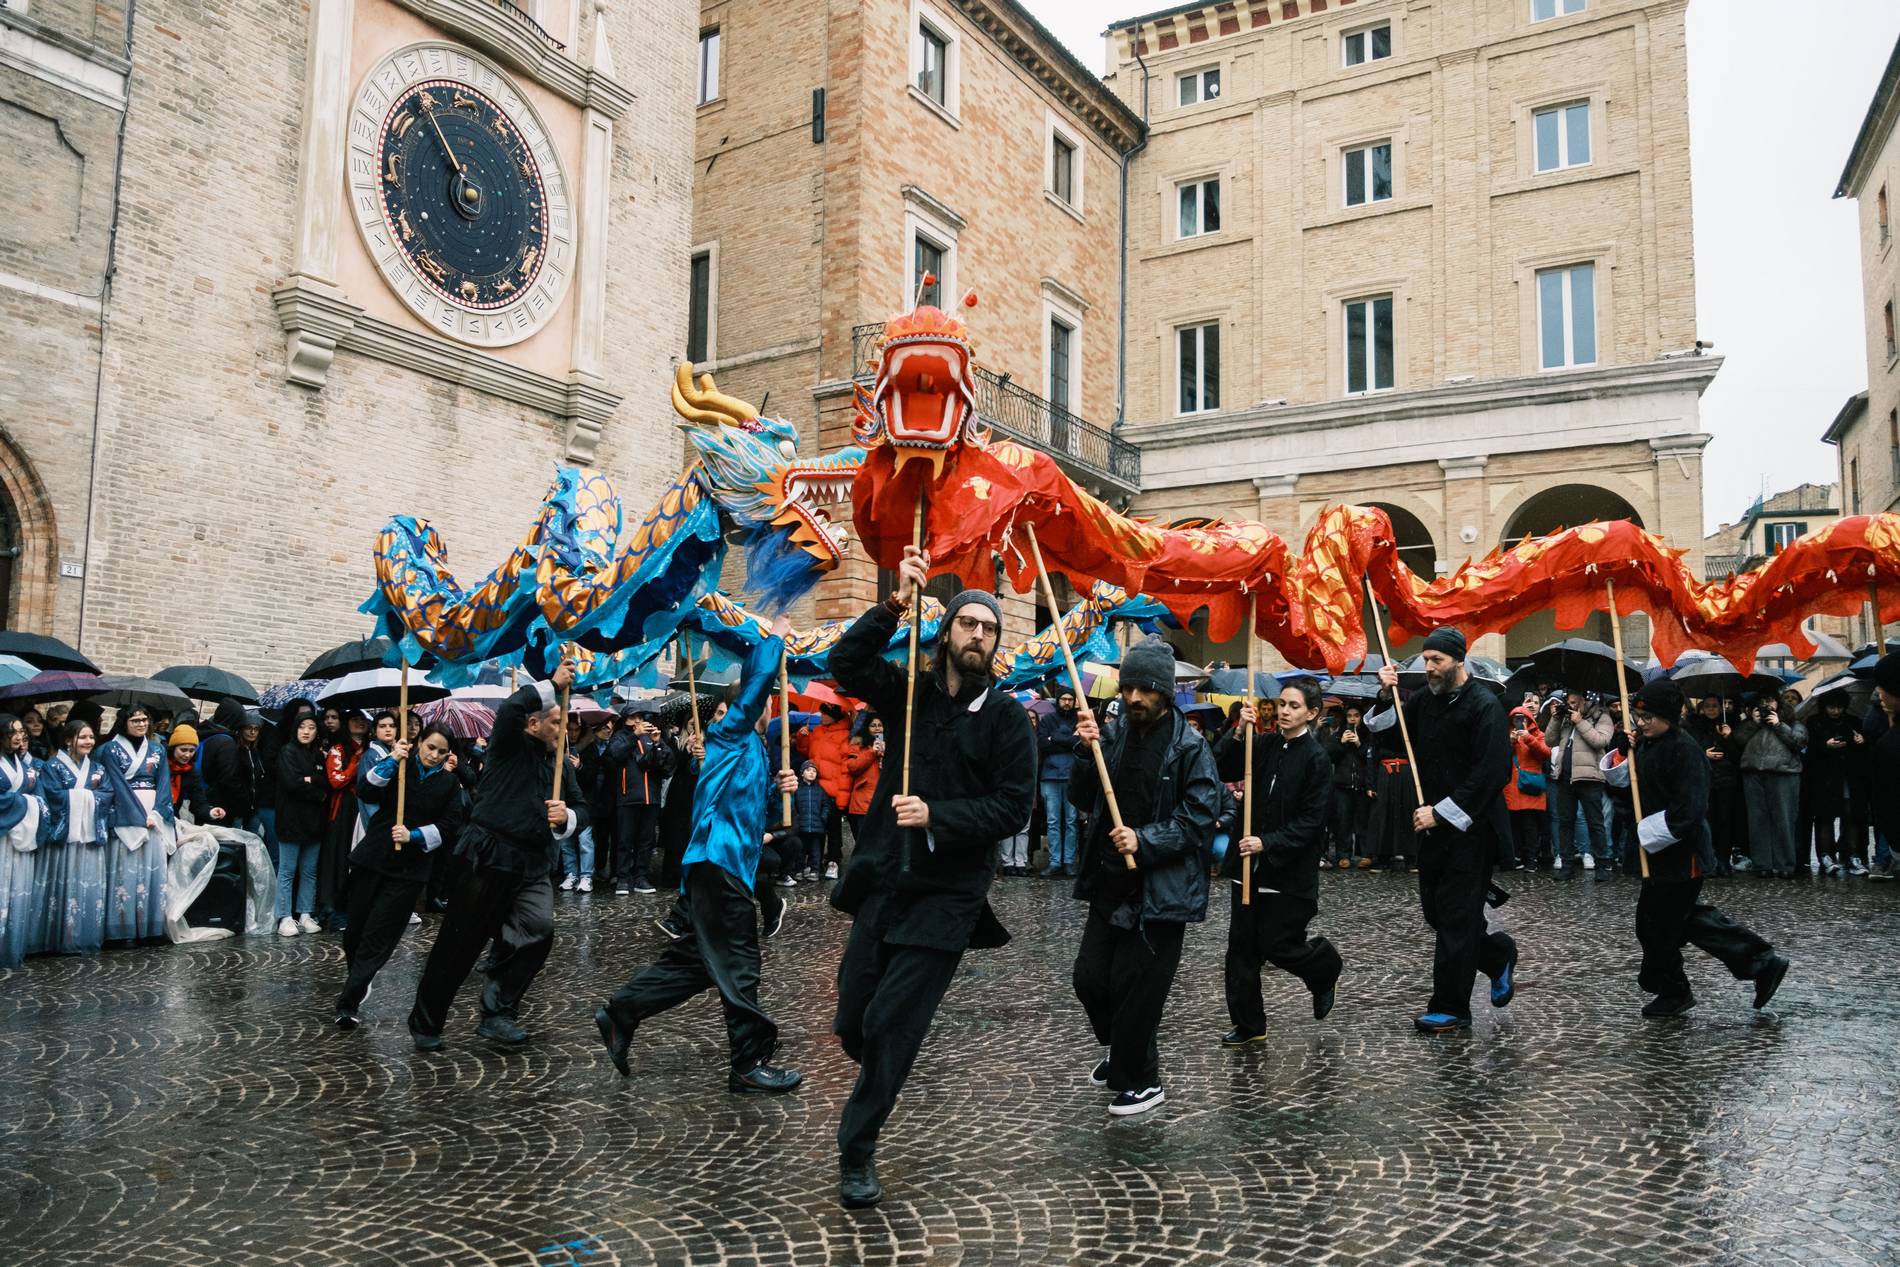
(214, 393)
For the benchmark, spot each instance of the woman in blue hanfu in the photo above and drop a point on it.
(23, 823)
(143, 832)
(71, 869)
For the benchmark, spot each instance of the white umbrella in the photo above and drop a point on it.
(378, 688)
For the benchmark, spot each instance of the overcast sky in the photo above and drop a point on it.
(1776, 96)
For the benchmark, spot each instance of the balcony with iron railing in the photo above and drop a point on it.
(1095, 456)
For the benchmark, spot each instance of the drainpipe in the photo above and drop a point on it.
(1121, 354)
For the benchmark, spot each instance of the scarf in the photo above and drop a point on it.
(82, 804)
(179, 770)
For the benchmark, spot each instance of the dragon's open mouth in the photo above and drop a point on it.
(808, 490)
(924, 392)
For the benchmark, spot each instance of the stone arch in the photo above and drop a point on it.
(32, 536)
(1418, 544)
(1564, 504)
(1537, 499)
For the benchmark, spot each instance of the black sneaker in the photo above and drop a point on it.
(1768, 980)
(644, 887)
(1129, 1103)
(423, 1041)
(1098, 1076)
(858, 1188)
(346, 1019)
(766, 1079)
(1323, 1000)
(502, 1029)
(1235, 1037)
(616, 1040)
(666, 925)
(1662, 1007)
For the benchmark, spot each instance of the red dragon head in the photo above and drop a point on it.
(922, 401)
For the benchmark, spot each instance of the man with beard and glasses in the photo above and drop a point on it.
(1170, 798)
(918, 881)
(1464, 757)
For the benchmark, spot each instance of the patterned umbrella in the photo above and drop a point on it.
(276, 697)
(377, 688)
(204, 681)
(460, 718)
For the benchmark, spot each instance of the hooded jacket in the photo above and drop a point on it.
(232, 772)
(1528, 752)
(1173, 854)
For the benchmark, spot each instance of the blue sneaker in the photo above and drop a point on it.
(1441, 1023)
(1504, 985)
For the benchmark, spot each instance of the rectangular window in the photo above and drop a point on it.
(1880, 215)
(1887, 316)
(928, 262)
(1853, 485)
(933, 57)
(1781, 536)
(1893, 441)
(699, 308)
(1563, 136)
(1197, 86)
(1062, 170)
(1369, 174)
(1197, 354)
(1061, 341)
(1371, 45)
(1369, 345)
(1544, 10)
(709, 65)
(1200, 207)
(1567, 317)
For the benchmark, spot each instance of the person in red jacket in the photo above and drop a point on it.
(825, 744)
(863, 761)
(1530, 763)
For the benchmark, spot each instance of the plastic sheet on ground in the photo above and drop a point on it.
(192, 865)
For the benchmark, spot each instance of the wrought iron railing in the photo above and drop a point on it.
(523, 17)
(1024, 416)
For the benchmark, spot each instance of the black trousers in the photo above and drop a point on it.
(604, 819)
(1451, 884)
(1272, 930)
(887, 997)
(1352, 813)
(634, 835)
(1668, 917)
(834, 834)
(720, 952)
(1527, 836)
(1122, 977)
(378, 913)
(517, 912)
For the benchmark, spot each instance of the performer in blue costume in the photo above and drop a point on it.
(24, 823)
(721, 949)
(138, 856)
(71, 871)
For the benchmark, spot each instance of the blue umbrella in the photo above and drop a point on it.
(14, 669)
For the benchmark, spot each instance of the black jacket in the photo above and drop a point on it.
(1292, 786)
(429, 801)
(973, 764)
(1673, 772)
(1464, 757)
(1174, 845)
(508, 828)
(232, 771)
(1348, 759)
(303, 794)
(1723, 774)
(1824, 769)
(638, 768)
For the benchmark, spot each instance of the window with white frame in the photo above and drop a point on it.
(1063, 161)
(1781, 536)
(1567, 317)
(1197, 368)
(926, 273)
(1561, 136)
(1373, 44)
(1545, 10)
(1196, 86)
(1062, 169)
(708, 65)
(1368, 174)
(1061, 361)
(934, 61)
(1199, 205)
(699, 309)
(1371, 358)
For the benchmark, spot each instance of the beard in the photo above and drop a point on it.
(971, 658)
(1440, 683)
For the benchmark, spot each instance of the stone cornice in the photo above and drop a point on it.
(1621, 380)
(933, 206)
(523, 47)
(1017, 33)
(1874, 129)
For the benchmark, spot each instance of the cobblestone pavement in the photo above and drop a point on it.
(195, 1106)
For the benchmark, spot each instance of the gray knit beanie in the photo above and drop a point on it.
(1149, 665)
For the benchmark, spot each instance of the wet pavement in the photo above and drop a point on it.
(196, 1106)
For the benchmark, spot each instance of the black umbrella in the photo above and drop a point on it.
(378, 688)
(1482, 669)
(202, 681)
(43, 651)
(122, 691)
(1855, 693)
(1356, 687)
(714, 682)
(1583, 664)
(353, 657)
(52, 684)
(1234, 682)
(1715, 676)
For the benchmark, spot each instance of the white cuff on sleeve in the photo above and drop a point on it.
(1448, 812)
(1653, 832)
(374, 777)
(1617, 775)
(431, 838)
(1382, 718)
(572, 820)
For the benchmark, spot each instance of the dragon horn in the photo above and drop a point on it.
(706, 403)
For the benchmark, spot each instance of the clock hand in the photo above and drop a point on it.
(446, 151)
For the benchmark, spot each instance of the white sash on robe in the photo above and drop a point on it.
(23, 836)
(82, 806)
(133, 835)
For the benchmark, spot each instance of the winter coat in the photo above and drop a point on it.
(1055, 747)
(639, 767)
(826, 745)
(1588, 739)
(1293, 798)
(1824, 772)
(1528, 752)
(1773, 749)
(303, 794)
(1348, 760)
(811, 806)
(232, 772)
(1725, 772)
(863, 764)
(1175, 842)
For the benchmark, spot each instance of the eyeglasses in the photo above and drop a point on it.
(970, 624)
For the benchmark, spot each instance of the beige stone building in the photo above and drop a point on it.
(1769, 524)
(1866, 432)
(1434, 257)
(237, 340)
(844, 150)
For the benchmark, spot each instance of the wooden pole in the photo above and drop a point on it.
(910, 673)
(1246, 785)
(560, 743)
(785, 724)
(692, 680)
(1075, 679)
(1405, 734)
(402, 733)
(1873, 598)
(1629, 719)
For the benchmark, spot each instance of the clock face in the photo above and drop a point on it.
(459, 194)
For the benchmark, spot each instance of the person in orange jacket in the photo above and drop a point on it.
(826, 744)
(863, 761)
(1530, 764)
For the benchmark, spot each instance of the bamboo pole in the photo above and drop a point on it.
(560, 743)
(1246, 786)
(1405, 733)
(402, 733)
(1629, 719)
(785, 725)
(692, 681)
(910, 674)
(1075, 679)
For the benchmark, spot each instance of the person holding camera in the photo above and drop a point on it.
(1526, 791)
(1350, 819)
(1581, 733)
(641, 760)
(1771, 785)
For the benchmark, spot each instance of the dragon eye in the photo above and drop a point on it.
(789, 449)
